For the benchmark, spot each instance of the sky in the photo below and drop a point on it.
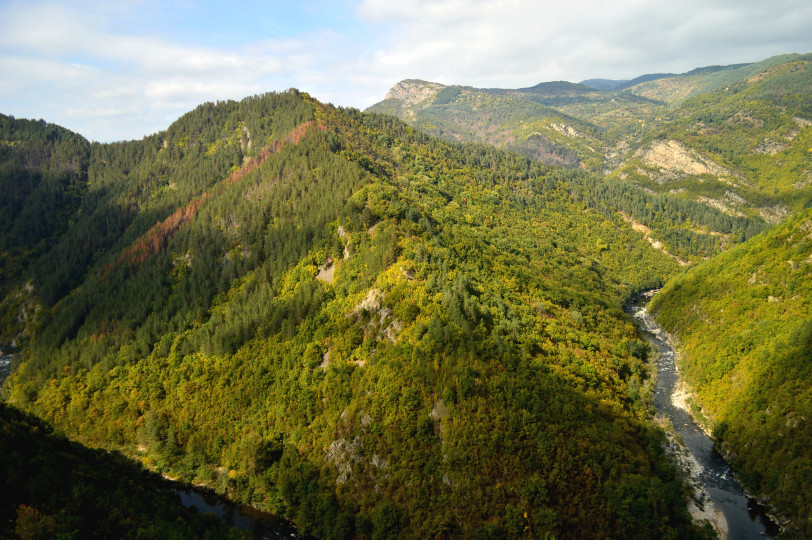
(125, 69)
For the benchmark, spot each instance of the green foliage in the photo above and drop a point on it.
(744, 325)
(43, 177)
(465, 367)
(447, 95)
(756, 128)
(747, 126)
(54, 488)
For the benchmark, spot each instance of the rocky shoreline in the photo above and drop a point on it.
(684, 398)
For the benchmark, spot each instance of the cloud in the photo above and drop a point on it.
(522, 42)
(68, 66)
(115, 70)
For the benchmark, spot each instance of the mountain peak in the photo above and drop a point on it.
(414, 91)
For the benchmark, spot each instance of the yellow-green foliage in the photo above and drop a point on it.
(744, 324)
(55, 488)
(468, 370)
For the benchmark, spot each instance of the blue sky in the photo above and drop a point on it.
(121, 70)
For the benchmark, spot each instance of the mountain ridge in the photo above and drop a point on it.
(470, 334)
(623, 132)
(336, 317)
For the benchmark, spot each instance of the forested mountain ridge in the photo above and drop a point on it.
(733, 137)
(43, 177)
(744, 324)
(331, 316)
(119, 193)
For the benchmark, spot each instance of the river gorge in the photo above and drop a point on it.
(720, 498)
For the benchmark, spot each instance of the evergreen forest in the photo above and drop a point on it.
(344, 320)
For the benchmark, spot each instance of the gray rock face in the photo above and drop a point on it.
(413, 91)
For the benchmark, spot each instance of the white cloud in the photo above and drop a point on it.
(104, 69)
(523, 42)
(69, 68)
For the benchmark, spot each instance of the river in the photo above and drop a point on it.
(739, 516)
(6, 358)
(262, 525)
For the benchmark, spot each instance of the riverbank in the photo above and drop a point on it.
(719, 498)
(700, 505)
(684, 398)
(7, 355)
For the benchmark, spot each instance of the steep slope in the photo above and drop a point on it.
(54, 488)
(119, 191)
(503, 118)
(43, 176)
(732, 137)
(371, 331)
(743, 148)
(745, 328)
(671, 88)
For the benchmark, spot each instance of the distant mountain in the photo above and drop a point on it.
(557, 88)
(733, 137)
(604, 84)
(614, 85)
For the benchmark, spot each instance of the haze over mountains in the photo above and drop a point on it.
(339, 318)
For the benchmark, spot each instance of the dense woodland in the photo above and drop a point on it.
(465, 369)
(55, 488)
(334, 317)
(745, 327)
(43, 177)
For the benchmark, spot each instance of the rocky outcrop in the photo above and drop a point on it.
(376, 319)
(728, 204)
(675, 161)
(774, 214)
(413, 91)
(564, 129)
(326, 271)
(343, 453)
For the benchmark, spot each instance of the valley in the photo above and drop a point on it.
(719, 497)
(382, 327)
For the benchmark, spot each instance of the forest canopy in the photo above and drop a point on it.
(331, 316)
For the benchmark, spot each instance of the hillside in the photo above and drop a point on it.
(43, 177)
(745, 328)
(55, 488)
(334, 317)
(736, 138)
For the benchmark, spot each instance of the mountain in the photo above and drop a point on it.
(604, 84)
(745, 329)
(334, 317)
(43, 174)
(611, 84)
(733, 137)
